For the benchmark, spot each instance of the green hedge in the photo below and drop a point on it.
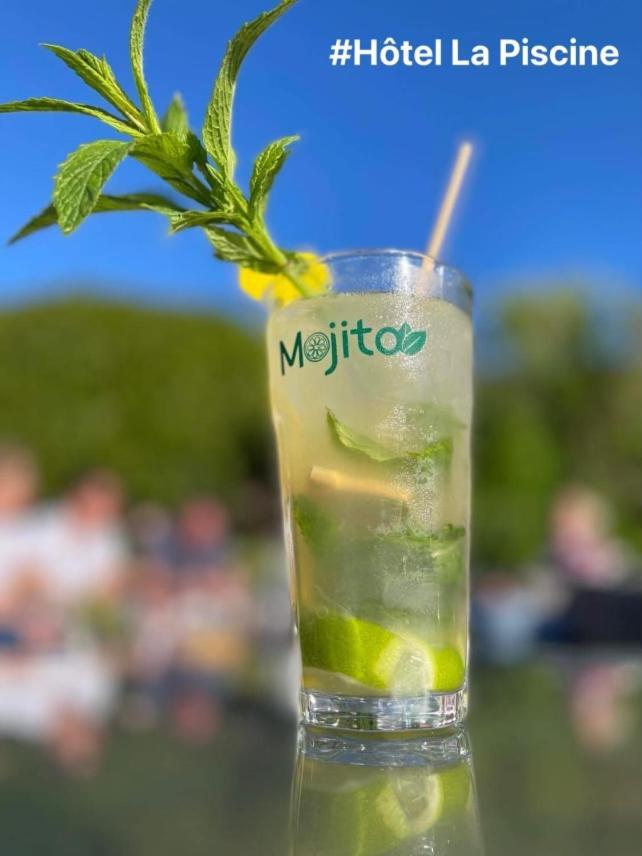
(563, 404)
(174, 402)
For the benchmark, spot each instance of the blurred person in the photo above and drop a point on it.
(151, 607)
(59, 699)
(193, 610)
(18, 481)
(150, 530)
(214, 620)
(602, 599)
(154, 644)
(582, 546)
(79, 543)
(18, 487)
(60, 686)
(189, 647)
(201, 541)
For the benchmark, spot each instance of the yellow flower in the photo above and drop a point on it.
(278, 288)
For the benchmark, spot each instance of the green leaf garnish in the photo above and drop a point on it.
(57, 105)
(172, 159)
(267, 166)
(175, 120)
(237, 247)
(333, 539)
(195, 219)
(105, 203)
(436, 542)
(437, 452)
(443, 549)
(97, 73)
(136, 42)
(203, 171)
(217, 130)
(356, 442)
(81, 178)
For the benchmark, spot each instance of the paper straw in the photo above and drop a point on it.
(448, 203)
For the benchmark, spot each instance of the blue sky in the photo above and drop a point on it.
(556, 191)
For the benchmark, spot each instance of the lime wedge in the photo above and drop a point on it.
(380, 658)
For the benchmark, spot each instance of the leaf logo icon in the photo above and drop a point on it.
(413, 342)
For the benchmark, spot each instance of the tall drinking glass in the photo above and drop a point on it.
(371, 390)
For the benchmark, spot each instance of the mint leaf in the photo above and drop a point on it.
(172, 159)
(413, 342)
(217, 129)
(223, 193)
(438, 453)
(81, 179)
(266, 167)
(97, 73)
(231, 246)
(356, 442)
(443, 550)
(193, 219)
(238, 248)
(57, 105)
(45, 218)
(343, 540)
(136, 42)
(435, 455)
(130, 202)
(175, 120)
(433, 541)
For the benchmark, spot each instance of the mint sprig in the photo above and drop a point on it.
(202, 170)
(435, 454)
(341, 544)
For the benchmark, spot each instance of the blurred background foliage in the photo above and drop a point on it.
(177, 403)
(560, 401)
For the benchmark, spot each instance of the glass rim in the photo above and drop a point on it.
(415, 255)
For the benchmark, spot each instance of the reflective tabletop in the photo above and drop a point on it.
(550, 763)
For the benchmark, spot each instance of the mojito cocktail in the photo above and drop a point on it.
(371, 390)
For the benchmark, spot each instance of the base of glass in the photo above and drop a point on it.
(436, 749)
(376, 713)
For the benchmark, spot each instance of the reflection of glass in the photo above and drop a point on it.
(371, 389)
(373, 797)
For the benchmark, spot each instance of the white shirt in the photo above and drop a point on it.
(15, 541)
(74, 562)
